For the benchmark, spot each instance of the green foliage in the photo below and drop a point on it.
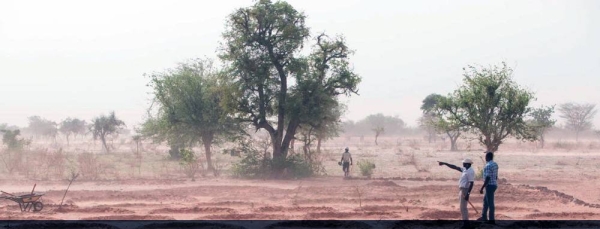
(366, 167)
(42, 127)
(491, 104)
(12, 142)
(105, 125)
(578, 117)
(439, 120)
(262, 46)
(256, 164)
(389, 124)
(541, 121)
(187, 101)
(190, 163)
(71, 126)
(431, 102)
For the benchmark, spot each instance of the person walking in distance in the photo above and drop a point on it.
(490, 174)
(346, 162)
(465, 185)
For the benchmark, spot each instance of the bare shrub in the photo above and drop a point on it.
(359, 193)
(414, 144)
(12, 160)
(218, 166)
(190, 163)
(57, 163)
(89, 166)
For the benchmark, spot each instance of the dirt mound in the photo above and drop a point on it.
(385, 183)
(174, 225)
(562, 215)
(439, 214)
(98, 209)
(332, 215)
(296, 209)
(130, 217)
(319, 224)
(228, 203)
(390, 208)
(244, 217)
(562, 195)
(55, 225)
(193, 210)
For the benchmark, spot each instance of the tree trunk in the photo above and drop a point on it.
(577, 136)
(67, 140)
(376, 135)
(319, 145)
(542, 140)
(453, 139)
(207, 142)
(104, 143)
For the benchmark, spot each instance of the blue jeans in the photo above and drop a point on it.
(488, 202)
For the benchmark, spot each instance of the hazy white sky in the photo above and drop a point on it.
(62, 59)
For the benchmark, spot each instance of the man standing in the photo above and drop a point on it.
(346, 162)
(465, 185)
(490, 173)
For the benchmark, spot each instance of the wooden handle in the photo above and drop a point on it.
(33, 189)
(7, 193)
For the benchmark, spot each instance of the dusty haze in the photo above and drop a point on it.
(80, 59)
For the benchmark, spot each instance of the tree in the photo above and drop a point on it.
(542, 121)
(105, 125)
(11, 140)
(578, 117)
(321, 127)
(491, 104)
(41, 127)
(71, 126)
(440, 120)
(380, 123)
(429, 118)
(188, 99)
(262, 45)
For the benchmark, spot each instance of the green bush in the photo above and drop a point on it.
(366, 167)
(254, 165)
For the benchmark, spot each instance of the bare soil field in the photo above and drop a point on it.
(553, 183)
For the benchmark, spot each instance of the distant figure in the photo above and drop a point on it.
(490, 173)
(346, 162)
(465, 185)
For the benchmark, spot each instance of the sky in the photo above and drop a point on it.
(81, 59)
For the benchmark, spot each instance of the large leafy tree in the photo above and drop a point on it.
(41, 127)
(188, 100)
(542, 121)
(72, 126)
(103, 126)
(441, 120)
(379, 123)
(321, 126)
(428, 119)
(491, 105)
(578, 117)
(272, 85)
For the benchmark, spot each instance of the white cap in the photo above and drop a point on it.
(467, 160)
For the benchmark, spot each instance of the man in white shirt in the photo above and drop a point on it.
(465, 185)
(346, 161)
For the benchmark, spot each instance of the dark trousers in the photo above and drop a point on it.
(488, 203)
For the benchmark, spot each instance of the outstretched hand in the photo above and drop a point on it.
(441, 163)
